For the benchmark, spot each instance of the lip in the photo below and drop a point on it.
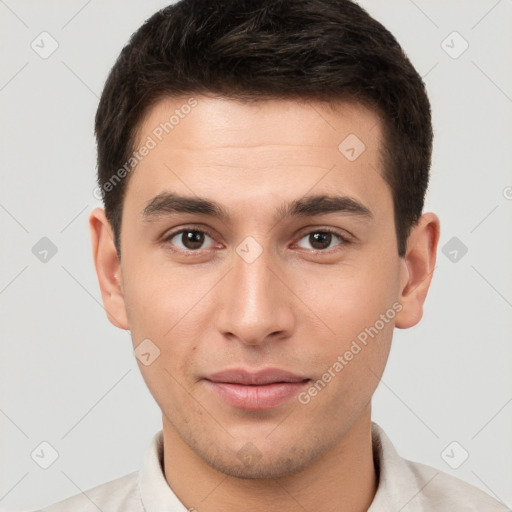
(263, 389)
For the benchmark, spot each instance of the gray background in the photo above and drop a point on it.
(68, 377)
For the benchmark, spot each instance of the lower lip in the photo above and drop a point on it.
(257, 397)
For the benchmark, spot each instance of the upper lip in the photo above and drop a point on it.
(255, 378)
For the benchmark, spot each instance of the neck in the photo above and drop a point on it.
(344, 478)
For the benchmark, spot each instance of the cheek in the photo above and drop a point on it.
(165, 307)
(155, 300)
(358, 303)
(349, 299)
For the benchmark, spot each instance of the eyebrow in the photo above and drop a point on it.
(168, 203)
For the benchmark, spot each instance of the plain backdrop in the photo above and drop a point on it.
(69, 378)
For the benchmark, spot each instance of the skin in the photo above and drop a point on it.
(293, 307)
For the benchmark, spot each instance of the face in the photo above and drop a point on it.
(270, 292)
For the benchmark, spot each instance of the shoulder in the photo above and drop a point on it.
(446, 492)
(117, 495)
(415, 487)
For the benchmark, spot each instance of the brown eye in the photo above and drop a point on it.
(188, 239)
(321, 240)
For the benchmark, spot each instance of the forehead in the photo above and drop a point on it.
(236, 150)
(205, 122)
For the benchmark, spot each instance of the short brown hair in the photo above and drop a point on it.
(250, 49)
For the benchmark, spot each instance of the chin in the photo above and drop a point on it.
(248, 462)
(260, 470)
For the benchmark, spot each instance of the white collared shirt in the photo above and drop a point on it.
(403, 486)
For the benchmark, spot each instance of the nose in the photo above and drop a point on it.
(255, 304)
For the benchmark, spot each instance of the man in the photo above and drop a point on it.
(263, 166)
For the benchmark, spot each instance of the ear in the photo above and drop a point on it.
(417, 269)
(108, 268)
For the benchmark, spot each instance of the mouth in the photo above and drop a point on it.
(264, 389)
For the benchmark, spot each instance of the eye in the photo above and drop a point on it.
(321, 240)
(190, 239)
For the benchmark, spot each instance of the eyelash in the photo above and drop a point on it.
(344, 239)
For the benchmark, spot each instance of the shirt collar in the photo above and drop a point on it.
(397, 488)
(155, 493)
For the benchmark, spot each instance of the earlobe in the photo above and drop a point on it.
(108, 268)
(418, 268)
